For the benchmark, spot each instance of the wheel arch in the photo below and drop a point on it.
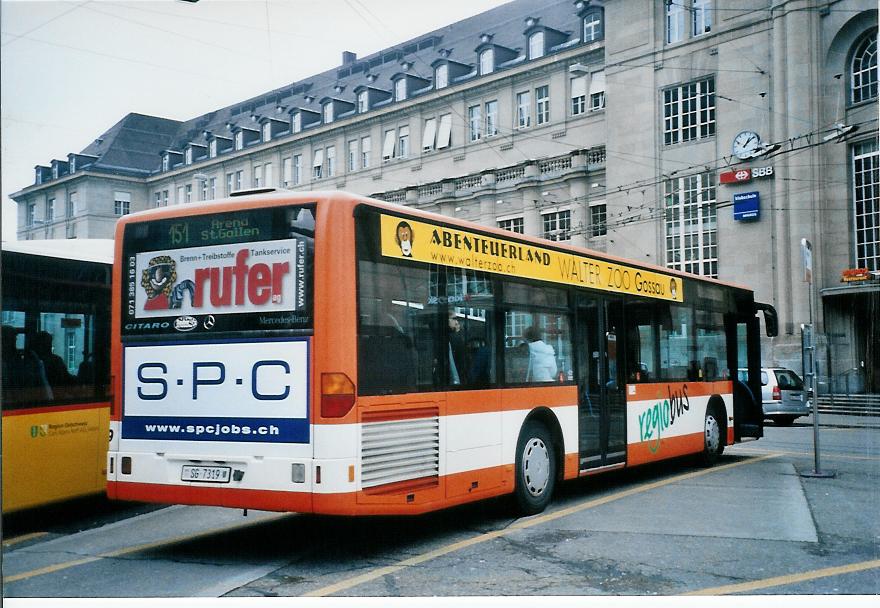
(716, 404)
(545, 416)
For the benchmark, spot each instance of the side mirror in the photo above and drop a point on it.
(771, 320)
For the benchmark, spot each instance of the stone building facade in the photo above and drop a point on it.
(502, 119)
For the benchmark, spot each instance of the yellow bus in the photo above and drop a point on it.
(55, 399)
(324, 352)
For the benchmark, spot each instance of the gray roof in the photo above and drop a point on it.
(135, 143)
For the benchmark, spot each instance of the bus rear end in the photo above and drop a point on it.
(213, 332)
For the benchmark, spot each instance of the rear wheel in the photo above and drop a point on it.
(713, 445)
(535, 468)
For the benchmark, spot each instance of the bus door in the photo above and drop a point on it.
(744, 355)
(601, 387)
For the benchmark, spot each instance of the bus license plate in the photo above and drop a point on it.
(209, 474)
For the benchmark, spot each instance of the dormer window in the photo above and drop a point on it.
(267, 131)
(54, 170)
(328, 113)
(487, 61)
(441, 76)
(166, 162)
(239, 140)
(363, 102)
(188, 156)
(400, 90)
(536, 45)
(72, 164)
(212, 148)
(297, 123)
(593, 26)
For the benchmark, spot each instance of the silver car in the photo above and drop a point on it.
(783, 395)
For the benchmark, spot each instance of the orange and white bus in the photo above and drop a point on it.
(56, 369)
(328, 353)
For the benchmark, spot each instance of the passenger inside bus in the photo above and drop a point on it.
(56, 370)
(542, 358)
(24, 376)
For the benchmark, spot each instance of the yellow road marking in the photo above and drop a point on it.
(23, 538)
(824, 455)
(788, 579)
(137, 548)
(520, 525)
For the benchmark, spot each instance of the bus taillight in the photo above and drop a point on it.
(337, 395)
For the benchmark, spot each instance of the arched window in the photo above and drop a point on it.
(593, 26)
(487, 61)
(536, 45)
(863, 69)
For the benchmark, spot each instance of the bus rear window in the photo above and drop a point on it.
(248, 270)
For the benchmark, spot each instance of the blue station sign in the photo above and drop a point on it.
(746, 206)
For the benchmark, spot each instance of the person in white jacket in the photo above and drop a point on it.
(542, 358)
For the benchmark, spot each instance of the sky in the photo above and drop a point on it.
(72, 69)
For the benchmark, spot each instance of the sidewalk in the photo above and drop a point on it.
(840, 421)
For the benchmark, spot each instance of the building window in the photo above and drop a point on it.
(268, 175)
(179, 199)
(328, 113)
(388, 145)
(267, 131)
(212, 148)
(557, 225)
(318, 165)
(598, 220)
(691, 227)
(578, 95)
(444, 131)
(524, 110)
(121, 203)
(212, 188)
(286, 170)
(701, 19)
(166, 163)
(363, 101)
(491, 118)
(31, 219)
(71, 204)
(863, 69)
(475, 122)
(514, 224)
(429, 134)
(487, 61)
(297, 169)
(230, 183)
(331, 161)
(400, 90)
(542, 105)
(352, 156)
(158, 202)
(866, 198)
(593, 26)
(238, 177)
(403, 142)
(536, 45)
(365, 152)
(239, 140)
(165, 197)
(188, 156)
(188, 193)
(203, 191)
(441, 76)
(258, 176)
(689, 111)
(50, 209)
(675, 11)
(597, 91)
(296, 125)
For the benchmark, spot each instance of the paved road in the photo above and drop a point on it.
(751, 525)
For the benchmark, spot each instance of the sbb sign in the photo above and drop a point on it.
(744, 175)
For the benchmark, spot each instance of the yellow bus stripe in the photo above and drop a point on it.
(23, 538)
(788, 579)
(137, 548)
(521, 525)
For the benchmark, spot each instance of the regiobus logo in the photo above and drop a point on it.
(246, 278)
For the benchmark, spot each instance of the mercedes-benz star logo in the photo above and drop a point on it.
(209, 322)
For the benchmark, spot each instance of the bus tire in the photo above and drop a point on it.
(713, 442)
(535, 468)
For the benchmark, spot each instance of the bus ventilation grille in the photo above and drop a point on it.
(400, 450)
